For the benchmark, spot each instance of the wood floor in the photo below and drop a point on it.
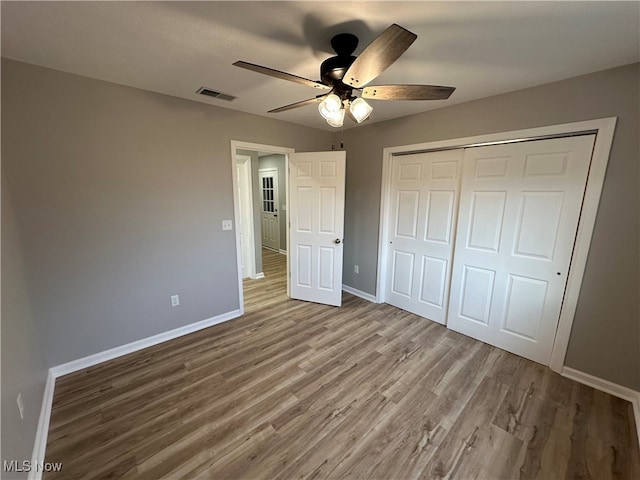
(297, 390)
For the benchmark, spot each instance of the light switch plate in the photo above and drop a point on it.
(227, 225)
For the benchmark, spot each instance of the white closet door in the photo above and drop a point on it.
(519, 210)
(424, 198)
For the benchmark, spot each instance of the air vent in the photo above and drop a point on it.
(212, 93)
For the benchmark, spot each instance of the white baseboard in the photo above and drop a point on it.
(608, 387)
(116, 352)
(284, 252)
(259, 276)
(359, 293)
(40, 443)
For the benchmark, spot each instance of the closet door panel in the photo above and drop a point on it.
(424, 202)
(519, 210)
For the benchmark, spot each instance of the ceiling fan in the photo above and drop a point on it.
(345, 73)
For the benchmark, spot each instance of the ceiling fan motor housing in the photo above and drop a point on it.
(333, 69)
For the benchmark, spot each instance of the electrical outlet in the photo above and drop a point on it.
(20, 405)
(175, 300)
(227, 225)
(356, 269)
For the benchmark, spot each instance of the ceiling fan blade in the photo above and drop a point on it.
(407, 92)
(385, 49)
(282, 75)
(318, 99)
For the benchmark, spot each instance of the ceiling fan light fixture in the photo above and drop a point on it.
(360, 110)
(330, 106)
(337, 119)
(344, 72)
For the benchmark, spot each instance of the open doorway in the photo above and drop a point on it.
(260, 201)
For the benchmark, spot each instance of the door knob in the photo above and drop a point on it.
(337, 241)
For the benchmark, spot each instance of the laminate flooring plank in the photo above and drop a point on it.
(104, 424)
(467, 430)
(240, 395)
(397, 444)
(218, 430)
(332, 405)
(317, 458)
(324, 410)
(85, 459)
(320, 355)
(324, 373)
(423, 408)
(157, 384)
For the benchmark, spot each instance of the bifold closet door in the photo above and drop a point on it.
(424, 197)
(519, 210)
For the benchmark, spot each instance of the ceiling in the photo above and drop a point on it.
(482, 48)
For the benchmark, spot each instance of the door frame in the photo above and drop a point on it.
(258, 147)
(276, 193)
(247, 216)
(603, 128)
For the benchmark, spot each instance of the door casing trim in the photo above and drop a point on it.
(257, 147)
(603, 128)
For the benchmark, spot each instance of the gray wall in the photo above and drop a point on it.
(119, 196)
(23, 368)
(605, 340)
(255, 197)
(113, 201)
(277, 161)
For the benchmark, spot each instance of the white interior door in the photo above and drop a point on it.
(316, 216)
(424, 202)
(269, 208)
(519, 210)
